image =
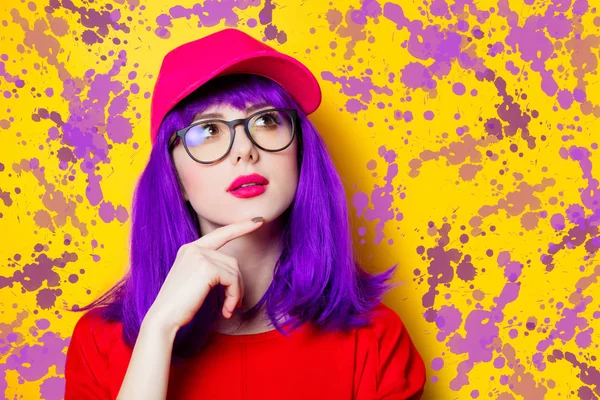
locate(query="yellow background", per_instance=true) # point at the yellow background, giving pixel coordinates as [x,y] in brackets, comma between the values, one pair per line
[456,195]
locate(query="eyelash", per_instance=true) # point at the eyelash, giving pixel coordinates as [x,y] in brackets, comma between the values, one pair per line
[271,114]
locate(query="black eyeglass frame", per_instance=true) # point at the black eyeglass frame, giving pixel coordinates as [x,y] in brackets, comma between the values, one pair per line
[291,112]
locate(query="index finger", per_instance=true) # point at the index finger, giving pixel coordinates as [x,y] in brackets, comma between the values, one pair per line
[217,238]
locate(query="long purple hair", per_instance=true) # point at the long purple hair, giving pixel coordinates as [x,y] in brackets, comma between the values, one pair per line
[317,278]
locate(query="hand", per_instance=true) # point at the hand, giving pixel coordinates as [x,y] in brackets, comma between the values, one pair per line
[198,268]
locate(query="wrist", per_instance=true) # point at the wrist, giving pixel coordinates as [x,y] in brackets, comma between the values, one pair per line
[155,322]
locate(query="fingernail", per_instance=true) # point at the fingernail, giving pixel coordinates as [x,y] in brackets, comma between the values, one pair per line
[257,219]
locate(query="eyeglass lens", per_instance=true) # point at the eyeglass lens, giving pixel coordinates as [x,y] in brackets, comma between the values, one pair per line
[272,130]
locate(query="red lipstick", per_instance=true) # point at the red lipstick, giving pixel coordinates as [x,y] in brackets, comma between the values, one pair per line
[248,186]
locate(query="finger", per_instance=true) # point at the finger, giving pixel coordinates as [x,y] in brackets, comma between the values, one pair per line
[226,262]
[217,255]
[220,236]
[229,263]
[236,271]
[232,290]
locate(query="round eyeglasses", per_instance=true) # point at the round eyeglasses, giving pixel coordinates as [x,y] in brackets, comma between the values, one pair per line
[210,140]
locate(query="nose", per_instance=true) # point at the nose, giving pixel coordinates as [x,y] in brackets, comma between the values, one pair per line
[242,146]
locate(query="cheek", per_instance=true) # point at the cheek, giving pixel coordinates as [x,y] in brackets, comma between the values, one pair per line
[190,174]
[197,181]
[187,180]
[288,174]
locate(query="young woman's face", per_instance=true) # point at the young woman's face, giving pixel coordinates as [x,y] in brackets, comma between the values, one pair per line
[206,185]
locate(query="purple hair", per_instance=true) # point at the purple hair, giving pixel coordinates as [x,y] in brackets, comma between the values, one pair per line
[316,279]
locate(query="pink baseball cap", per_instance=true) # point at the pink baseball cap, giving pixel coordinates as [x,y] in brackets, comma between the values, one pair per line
[229,51]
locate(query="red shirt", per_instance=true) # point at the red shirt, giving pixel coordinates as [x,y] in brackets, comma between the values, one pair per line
[377,361]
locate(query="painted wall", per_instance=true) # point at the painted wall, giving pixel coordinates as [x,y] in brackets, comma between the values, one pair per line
[466,133]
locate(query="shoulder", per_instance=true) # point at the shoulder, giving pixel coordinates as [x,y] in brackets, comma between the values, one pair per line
[384,320]
[93,329]
[93,320]
[88,371]
[388,338]
[383,329]
[394,365]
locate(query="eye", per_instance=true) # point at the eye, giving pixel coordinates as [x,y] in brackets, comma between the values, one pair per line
[211,129]
[268,119]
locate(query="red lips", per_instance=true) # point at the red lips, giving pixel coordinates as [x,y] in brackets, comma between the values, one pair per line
[243,179]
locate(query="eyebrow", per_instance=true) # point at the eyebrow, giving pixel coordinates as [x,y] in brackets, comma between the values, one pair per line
[249,110]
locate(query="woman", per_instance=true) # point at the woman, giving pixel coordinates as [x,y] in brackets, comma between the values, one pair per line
[216,305]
